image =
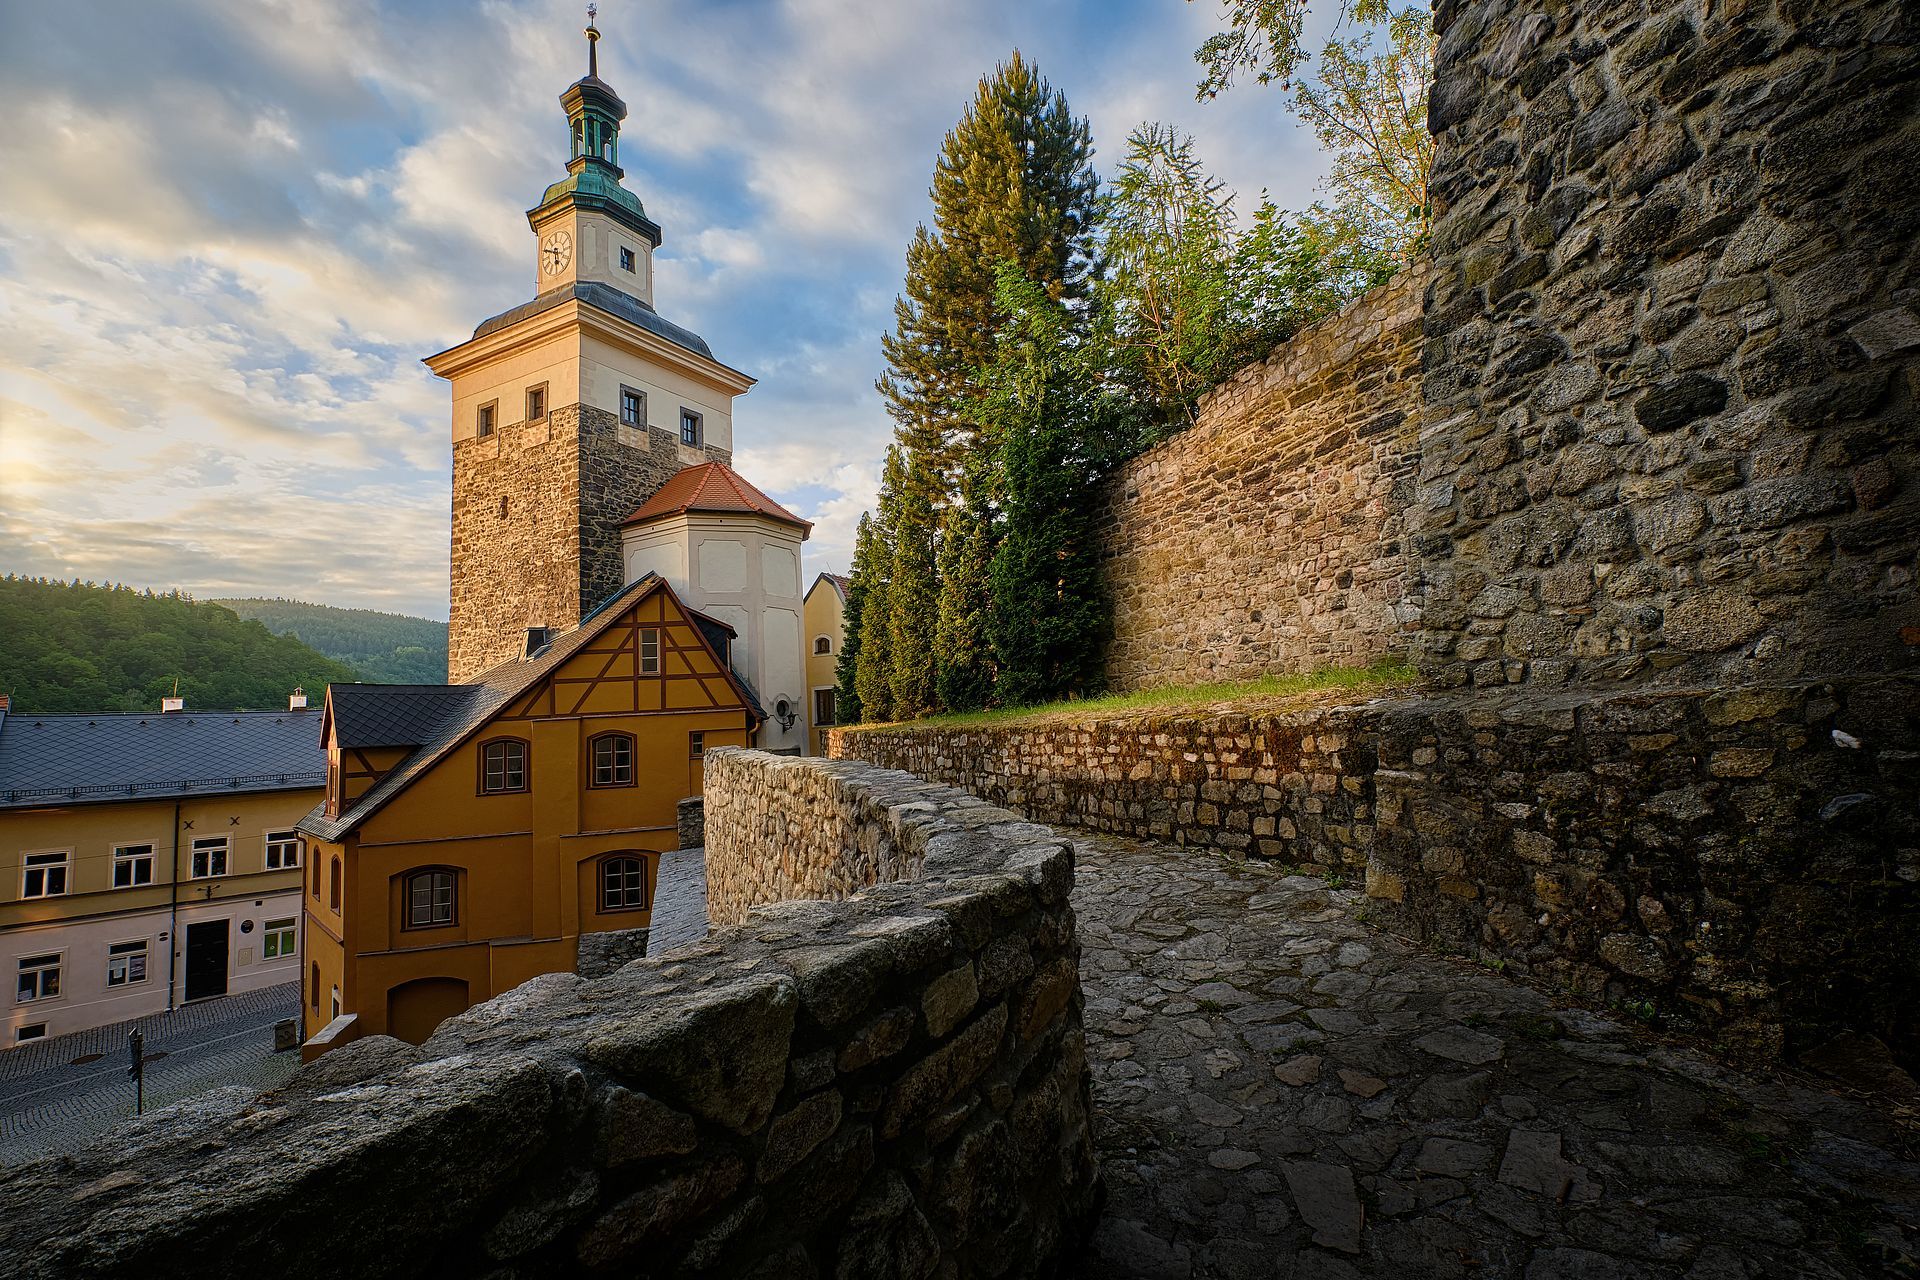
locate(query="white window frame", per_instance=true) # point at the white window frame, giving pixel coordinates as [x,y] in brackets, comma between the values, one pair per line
[125,855]
[59,963]
[63,864]
[650,651]
[282,839]
[271,938]
[30,1032]
[818,652]
[226,858]
[124,954]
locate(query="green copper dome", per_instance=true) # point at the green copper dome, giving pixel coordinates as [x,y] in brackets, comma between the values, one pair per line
[594,187]
[594,112]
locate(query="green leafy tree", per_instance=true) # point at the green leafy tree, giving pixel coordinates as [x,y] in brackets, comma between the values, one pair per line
[1263,38]
[913,587]
[963,651]
[1056,419]
[1014,182]
[389,648]
[859,583]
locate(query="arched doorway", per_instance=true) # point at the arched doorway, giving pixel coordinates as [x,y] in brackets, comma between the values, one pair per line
[415,1008]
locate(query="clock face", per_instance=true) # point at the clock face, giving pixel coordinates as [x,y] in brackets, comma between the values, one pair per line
[555,252]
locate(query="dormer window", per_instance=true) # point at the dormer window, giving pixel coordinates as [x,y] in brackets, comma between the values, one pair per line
[626,258]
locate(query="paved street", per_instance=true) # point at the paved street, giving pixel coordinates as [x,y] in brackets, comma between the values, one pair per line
[54,1094]
[1280,1089]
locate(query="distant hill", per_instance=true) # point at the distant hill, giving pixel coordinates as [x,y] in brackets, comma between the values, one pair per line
[385,648]
[72,646]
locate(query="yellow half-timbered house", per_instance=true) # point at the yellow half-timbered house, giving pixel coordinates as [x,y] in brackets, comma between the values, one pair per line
[471,833]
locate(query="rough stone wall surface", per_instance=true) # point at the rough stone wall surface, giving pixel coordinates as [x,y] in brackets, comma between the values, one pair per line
[537,508]
[890,1085]
[1747,858]
[679,901]
[601,952]
[690,822]
[1673,342]
[1270,535]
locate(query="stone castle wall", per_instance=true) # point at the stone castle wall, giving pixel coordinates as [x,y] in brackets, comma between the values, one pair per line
[1673,343]
[1270,535]
[537,508]
[1726,855]
[890,1085]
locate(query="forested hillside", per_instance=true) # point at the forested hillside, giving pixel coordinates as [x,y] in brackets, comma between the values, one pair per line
[386,648]
[71,646]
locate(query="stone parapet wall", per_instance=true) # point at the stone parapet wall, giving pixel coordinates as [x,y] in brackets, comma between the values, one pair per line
[1673,343]
[1726,855]
[1270,535]
[890,1085]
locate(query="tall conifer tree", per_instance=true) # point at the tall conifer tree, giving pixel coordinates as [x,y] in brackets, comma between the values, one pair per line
[963,646]
[860,577]
[913,588]
[873,664]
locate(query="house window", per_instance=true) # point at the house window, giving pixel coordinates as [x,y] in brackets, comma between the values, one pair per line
[333,883]
[536,402]
[39,978]
[132,865]
[823,644]
[209,857]
[33,1031]
[483,419]
[633,407]
[45,874]
[336,1002]
[626,258]
[823,706]
[316,882]
[126,963]
[314,999]
[277,942]
[649,651]
[613,760]
[430,899]
[283,850]
[689,427]
[623,883]
[503,766]
[696,744]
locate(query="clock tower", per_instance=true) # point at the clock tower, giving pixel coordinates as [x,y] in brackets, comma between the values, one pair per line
[572,409]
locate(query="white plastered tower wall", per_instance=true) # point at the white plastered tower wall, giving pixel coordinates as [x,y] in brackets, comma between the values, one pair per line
[574,245]
[743,570]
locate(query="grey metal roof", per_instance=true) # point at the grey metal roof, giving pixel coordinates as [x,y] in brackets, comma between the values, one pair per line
[623,306]
[68,759]
[487,693]
[394,715]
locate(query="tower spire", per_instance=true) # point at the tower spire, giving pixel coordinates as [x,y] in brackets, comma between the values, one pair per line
[593,41]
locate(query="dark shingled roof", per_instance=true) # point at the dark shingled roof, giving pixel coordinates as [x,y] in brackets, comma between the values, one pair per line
[439,725]
[98,758]
[394,715]
[605,297]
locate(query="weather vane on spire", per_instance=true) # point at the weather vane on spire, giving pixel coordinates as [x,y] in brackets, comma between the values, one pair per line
[593,41]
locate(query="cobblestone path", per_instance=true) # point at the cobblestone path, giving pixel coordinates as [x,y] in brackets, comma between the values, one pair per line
[1281,1090]
[51,1103]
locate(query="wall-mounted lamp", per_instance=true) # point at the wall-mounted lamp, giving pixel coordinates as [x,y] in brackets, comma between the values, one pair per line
[783,712]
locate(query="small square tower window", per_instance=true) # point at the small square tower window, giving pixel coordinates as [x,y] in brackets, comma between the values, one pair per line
[633,407]
[536,402]
[689,427]
[626,258]
[483,420]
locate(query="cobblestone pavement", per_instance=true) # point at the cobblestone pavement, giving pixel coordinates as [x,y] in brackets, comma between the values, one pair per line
[1280,1089]
[50,1103]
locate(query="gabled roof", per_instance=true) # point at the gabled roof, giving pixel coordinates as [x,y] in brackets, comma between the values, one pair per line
[97,758]
[391,715]
[438,726]
[712,486]
[838,581]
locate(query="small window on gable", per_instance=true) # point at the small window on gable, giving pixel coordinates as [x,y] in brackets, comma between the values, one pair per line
[536,402]
[503,766]
[626,258]
[649,651]
[613,760]
[633,407]
[822,644]
[689,427]
[483,420]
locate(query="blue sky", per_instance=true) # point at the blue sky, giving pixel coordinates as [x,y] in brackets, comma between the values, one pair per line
[229,231]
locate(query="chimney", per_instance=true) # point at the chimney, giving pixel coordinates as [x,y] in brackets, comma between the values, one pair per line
[171,703]
[537,639]
[297,701]
[6,702]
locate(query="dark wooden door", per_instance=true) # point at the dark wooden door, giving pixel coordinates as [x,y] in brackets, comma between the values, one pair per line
[206,959]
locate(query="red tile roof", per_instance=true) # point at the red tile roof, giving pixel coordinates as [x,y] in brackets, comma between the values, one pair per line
[712,486]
